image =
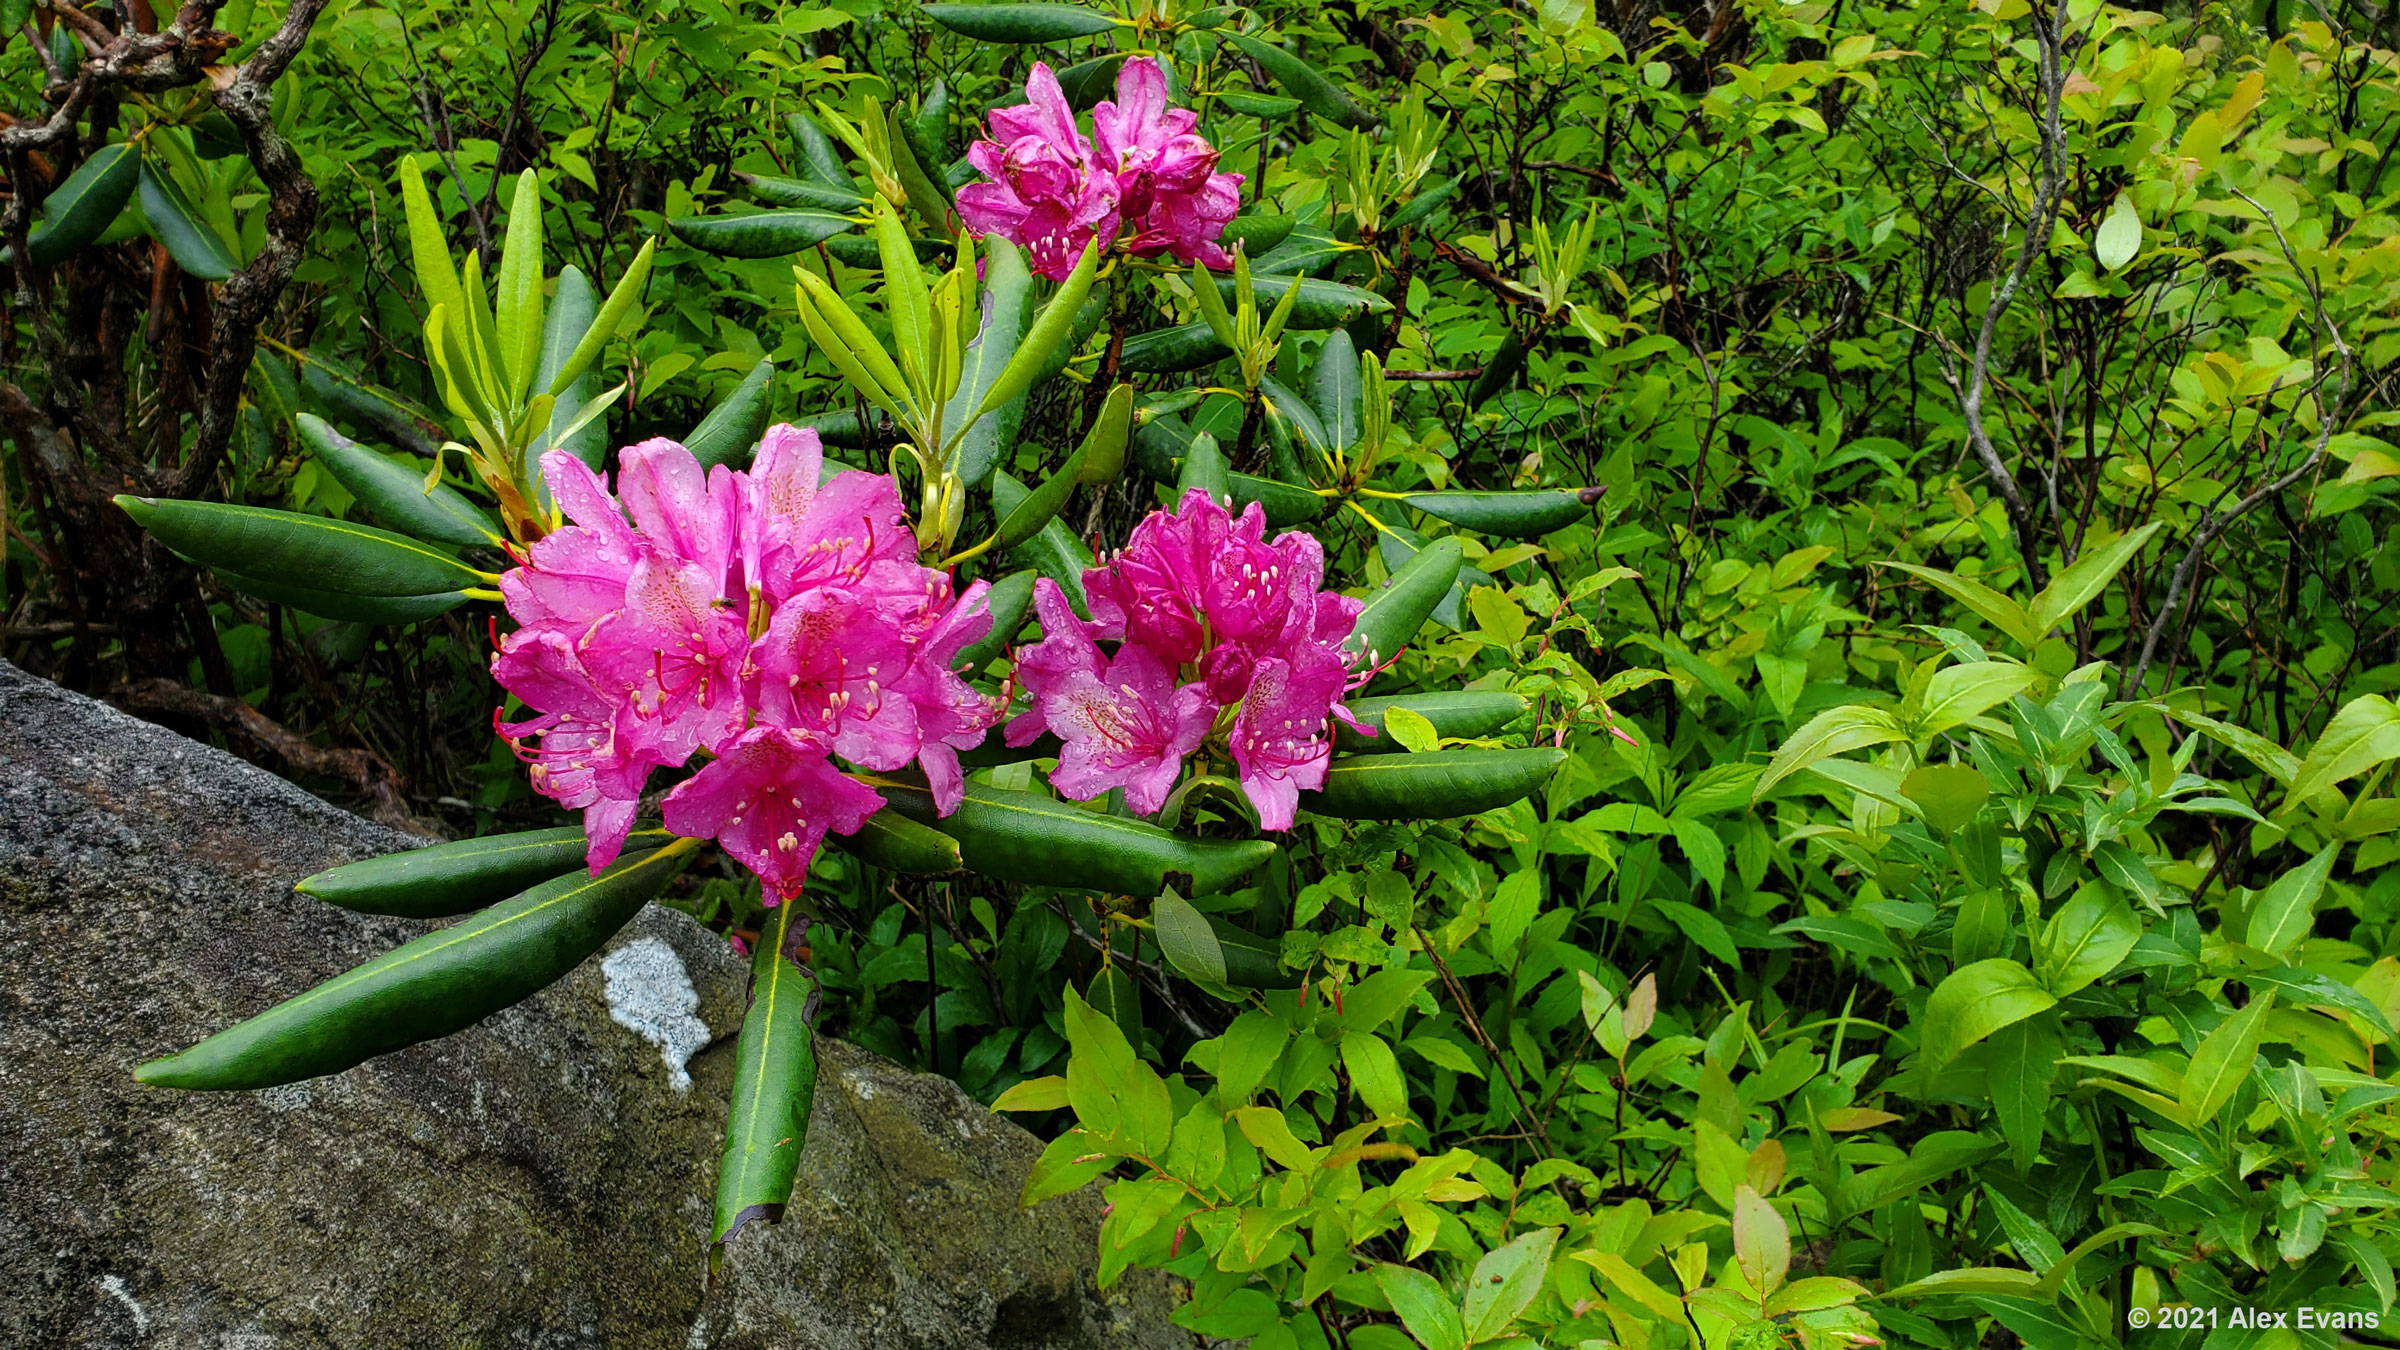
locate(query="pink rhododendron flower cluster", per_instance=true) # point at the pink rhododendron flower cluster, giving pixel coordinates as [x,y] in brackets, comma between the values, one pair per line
[1052,189]
[1218,631]
[759,619]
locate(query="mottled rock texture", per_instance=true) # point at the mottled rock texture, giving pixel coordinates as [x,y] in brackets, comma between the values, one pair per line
[535,1181]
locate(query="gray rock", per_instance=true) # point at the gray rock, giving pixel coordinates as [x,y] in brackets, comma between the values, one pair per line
[539,1180]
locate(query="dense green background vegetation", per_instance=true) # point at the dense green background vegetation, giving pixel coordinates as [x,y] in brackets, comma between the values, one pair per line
[1989,903]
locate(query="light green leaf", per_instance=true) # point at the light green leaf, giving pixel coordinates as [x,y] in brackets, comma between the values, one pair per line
[1424,1307]
[1958,693]
[1411,729]
[1505,1282]
[2119,237]
[2090,574]
[1184,935]
[1375,1075]
[1994,608]
[2365,733]
[1974,1001]
[2286,911]
[2224,1059]
[1832,732]
[2086,939]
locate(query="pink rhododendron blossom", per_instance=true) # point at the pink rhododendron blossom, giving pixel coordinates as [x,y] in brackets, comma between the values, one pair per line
[758,618]
[1217,631]
[768,801]
[1052,190]
[1167,183]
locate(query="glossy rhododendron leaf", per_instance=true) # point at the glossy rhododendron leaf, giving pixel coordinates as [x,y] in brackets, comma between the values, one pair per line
[1453,712]
[1023,837]
[457,878]
[895,843]
[1018,23]
[317,552]
[730,431]
[774,1086]
[440,983]
[77,210]
[1511,515]
[397,495]
[760,234]
[1394,614]
[1436,786]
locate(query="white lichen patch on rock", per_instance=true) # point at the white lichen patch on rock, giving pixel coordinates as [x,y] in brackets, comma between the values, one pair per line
[651,994]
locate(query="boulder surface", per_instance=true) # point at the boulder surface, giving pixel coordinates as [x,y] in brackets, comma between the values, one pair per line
[542,1179]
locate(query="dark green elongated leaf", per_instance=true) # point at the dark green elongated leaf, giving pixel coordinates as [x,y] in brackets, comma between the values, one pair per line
[1204,468]
[1185,937]
[194,246]
[838,429]
[857,250]
[1257,234]
[1335,389]
[895,843]
[1007,309]
[1499,372]
[1285,505]
[1303,82]
[1296,412]
[996,751]
[1251,961]
[573,306]
[1431,786]
[1053,550]
[1009,600]
[1170,351]
[1265,107]
[819,157]
[1304,254]
[760,234]
[1019,23]
[1018,836]
[929,130]
[1511,515]
[440,983]
[292,549]
[1158,446]
[448,879]
[1425,203]
[1040,506]
[77,210]
[774,1086]
[350,608]
[395,494]
[731,431]
[1453,712]
[1087,82]
[1437,786]
[910,160]
[1393,615]
[331,384]
[801,192]
[215,136]
[1103,452]
[1319,304]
